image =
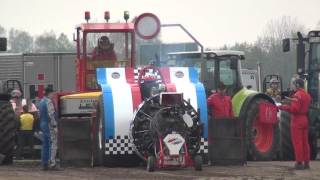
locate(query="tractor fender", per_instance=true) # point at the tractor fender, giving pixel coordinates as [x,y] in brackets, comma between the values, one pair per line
[249,99]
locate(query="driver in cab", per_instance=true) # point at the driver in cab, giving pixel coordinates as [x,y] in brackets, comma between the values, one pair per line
[104,50]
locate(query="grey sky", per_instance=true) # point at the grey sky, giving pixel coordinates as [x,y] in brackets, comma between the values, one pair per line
[213,22]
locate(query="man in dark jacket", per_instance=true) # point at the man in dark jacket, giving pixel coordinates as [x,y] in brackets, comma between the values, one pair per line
[299,106]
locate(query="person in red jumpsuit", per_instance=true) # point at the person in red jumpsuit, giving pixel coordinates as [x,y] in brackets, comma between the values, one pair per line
[220,103]
[298,107]
[104,50]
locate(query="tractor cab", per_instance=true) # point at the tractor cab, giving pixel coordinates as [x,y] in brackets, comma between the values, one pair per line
[109,45]
[102,45]
[212,67]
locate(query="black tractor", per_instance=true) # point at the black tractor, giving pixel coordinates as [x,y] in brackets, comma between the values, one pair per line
[308,53]
[8,119]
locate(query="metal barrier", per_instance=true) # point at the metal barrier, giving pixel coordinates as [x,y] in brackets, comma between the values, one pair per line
[226,142]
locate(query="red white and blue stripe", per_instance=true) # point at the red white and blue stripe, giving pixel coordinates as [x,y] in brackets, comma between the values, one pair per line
[121,95]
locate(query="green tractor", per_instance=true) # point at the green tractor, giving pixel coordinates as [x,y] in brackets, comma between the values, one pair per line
[225,66]
[308,53]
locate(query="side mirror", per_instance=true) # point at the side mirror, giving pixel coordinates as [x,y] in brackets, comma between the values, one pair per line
[3,44]
[286,45]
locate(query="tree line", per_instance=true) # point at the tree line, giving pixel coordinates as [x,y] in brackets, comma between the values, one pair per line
[20,41]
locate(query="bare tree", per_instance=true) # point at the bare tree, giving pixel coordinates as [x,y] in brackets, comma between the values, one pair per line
[2,31]
[278,29]
[64,44]
[47,42]
[20,41]
[278,62]
[267,49]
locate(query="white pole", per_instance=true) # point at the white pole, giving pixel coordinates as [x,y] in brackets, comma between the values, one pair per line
[259,76]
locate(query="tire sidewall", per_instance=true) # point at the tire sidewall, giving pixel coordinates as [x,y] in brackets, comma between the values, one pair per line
[252,151]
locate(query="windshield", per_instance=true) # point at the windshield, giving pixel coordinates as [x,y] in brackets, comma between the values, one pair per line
[106,50]
[109,46]
[227,74]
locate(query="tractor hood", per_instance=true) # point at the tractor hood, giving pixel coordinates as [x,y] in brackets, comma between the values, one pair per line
[239,98]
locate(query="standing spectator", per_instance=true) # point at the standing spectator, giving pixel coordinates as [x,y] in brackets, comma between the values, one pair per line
[25,134]
[299,106]
[16,101]
[220,103]
[273,91]
[48,126]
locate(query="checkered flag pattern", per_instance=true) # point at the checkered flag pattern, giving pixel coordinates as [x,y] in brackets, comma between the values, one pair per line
[120,145]
[204,148]
[149,71]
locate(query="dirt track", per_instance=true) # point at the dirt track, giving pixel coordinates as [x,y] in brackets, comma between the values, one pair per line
[253,170]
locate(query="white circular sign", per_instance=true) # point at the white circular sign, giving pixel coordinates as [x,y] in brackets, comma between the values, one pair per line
[147,26]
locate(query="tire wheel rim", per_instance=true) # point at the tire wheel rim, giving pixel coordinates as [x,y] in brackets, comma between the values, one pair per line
[262,136]
[100,129]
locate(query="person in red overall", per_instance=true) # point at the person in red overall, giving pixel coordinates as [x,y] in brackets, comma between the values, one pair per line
[104,50]
[220,103]
[298,107]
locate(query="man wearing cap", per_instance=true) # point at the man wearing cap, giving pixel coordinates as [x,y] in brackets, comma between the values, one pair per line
[18,102]
[220,103]
[274,91]
[298,107]
[48,125]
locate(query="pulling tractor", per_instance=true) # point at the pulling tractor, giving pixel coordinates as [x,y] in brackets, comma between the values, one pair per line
[308,53]
[123,111]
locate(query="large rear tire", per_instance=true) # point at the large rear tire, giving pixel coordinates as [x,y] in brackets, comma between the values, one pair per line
[197,161]
[262,139]
[8,129]
[286,148]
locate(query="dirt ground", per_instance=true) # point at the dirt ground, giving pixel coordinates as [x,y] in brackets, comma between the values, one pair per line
[29,170]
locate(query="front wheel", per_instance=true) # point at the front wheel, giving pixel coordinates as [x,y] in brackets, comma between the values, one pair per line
[262,138]
[197,163]
[151,163]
